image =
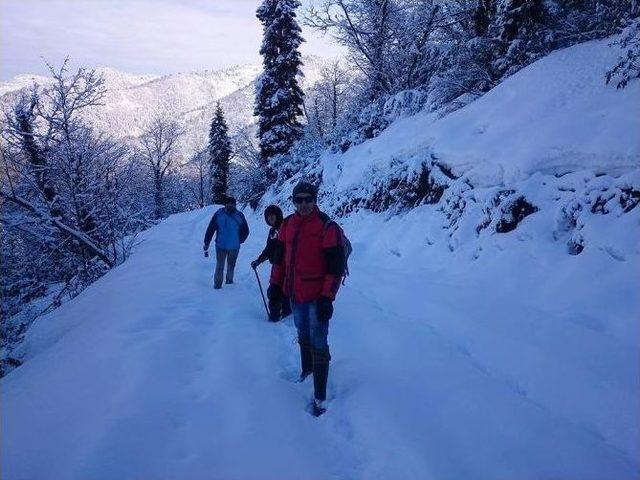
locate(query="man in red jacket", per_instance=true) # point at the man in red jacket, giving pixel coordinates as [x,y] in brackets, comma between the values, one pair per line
[308,267]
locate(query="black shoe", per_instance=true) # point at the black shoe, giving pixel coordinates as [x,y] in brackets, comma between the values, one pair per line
[318,407]
[229,282]
[217,287]
[304,375]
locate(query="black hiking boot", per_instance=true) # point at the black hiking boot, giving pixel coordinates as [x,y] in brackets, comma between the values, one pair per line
[321,357]
[318,407]
[306,359]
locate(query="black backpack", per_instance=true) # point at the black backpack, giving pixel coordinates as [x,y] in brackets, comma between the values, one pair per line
[345,243]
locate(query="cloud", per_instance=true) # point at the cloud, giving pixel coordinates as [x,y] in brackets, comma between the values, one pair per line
[137,36]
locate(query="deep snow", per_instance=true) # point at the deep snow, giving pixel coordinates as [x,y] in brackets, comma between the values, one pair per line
[520,364]
[458,352]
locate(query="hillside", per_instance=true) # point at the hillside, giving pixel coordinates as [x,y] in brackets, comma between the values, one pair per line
[552,145]
[554,116]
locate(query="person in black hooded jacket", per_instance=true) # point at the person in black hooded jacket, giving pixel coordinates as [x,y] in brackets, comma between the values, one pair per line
[273,216]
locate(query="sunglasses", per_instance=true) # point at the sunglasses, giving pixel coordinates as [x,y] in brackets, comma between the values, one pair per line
[305,199]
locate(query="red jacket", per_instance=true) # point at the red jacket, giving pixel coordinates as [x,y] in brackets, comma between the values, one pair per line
[309,257]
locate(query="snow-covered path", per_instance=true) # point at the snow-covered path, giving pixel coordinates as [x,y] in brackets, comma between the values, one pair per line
[151,374]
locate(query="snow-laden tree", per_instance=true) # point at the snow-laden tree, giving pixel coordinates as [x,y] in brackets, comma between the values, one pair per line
[220,154]
[278,102]
[454,50]
[574,21]
[628,66]
[366,29]
[158,150]
[54,156]
[329,100]
[521,29]
[66,193]
[392,45]
[246,173]
[198,179]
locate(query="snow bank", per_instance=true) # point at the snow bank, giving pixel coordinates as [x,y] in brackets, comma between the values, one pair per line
[555,116]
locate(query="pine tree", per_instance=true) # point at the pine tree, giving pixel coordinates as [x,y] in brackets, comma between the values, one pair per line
[278,96]
[219,155]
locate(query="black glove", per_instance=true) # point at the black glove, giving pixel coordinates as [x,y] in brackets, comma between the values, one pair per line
[274,293]
[254,264]
[325,309]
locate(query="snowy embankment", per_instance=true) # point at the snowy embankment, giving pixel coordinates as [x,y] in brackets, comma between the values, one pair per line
[554,116]
[517,365]
[552,139]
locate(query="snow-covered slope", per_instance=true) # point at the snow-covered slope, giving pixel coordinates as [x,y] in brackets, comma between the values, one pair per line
[554,116]
[552,141]
[20,82]
[516,366]
[489,328]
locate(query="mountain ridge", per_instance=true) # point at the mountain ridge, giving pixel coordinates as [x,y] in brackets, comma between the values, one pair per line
[132,100]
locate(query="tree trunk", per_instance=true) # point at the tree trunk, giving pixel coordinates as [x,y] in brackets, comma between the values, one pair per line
[159,210]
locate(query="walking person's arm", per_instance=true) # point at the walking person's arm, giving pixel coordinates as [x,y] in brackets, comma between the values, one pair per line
[334,258]
[267,253]
[244,228]
[264,256]
[211,229]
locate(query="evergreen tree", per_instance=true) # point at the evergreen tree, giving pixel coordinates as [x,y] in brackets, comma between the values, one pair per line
[627,67]
[219,155]
[278,95]
[521,33]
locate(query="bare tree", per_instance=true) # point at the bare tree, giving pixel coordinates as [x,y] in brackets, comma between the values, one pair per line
[68,194]
[158,150]
[365,28]
[50,153]
[328,100]
[199,183]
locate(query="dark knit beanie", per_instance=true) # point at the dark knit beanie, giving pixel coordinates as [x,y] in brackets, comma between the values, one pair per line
[305,188]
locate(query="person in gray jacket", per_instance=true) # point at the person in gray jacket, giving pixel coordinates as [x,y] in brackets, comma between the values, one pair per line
[231,230]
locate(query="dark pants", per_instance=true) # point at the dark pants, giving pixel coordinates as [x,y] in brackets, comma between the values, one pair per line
[222,255]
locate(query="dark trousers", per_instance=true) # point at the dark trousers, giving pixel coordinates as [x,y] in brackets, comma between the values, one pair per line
[222,255]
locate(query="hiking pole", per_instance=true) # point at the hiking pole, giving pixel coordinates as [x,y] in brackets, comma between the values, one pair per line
[262,293]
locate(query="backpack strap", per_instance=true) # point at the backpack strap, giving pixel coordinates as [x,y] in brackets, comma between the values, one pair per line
[278,249]
[327,222]
[324,217]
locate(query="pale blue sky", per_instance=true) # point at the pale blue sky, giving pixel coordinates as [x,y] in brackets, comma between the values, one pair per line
[136,36]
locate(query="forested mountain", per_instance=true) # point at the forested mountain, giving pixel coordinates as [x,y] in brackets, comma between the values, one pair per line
[131,101]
